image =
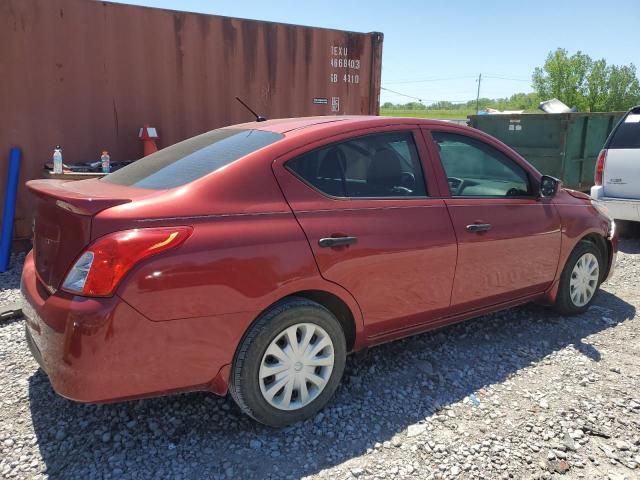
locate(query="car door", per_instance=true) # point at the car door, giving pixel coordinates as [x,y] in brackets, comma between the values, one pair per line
[365,207]
[508,237]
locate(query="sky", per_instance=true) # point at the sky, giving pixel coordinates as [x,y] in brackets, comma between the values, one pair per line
[434,49]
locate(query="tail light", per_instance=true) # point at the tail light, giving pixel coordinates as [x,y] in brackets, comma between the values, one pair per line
[602,158]
[102,265]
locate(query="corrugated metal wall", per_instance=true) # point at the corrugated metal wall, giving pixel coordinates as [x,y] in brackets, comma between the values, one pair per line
[86,75]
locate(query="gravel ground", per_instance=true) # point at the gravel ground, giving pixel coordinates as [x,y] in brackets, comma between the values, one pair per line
[523,393]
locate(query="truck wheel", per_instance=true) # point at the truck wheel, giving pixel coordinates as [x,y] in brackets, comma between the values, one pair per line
[289,363]
[580,279]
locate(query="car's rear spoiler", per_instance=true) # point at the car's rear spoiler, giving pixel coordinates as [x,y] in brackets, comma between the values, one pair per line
[74,201]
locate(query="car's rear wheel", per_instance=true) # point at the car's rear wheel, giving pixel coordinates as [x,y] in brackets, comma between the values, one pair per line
[289,364]
[580,279]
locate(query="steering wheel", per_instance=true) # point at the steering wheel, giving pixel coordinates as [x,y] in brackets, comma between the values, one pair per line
[408,180]
[456,185]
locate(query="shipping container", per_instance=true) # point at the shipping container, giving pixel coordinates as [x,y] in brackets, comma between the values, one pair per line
[564,145]
[87,75]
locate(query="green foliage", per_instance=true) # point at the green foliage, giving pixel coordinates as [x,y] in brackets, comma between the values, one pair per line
[451,114]
[589,85]
[444,109]
[624,88]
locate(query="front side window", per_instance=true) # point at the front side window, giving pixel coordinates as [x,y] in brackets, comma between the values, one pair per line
[380,165]
[191,159]
[475,169]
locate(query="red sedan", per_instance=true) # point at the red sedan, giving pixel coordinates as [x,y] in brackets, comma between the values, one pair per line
[252,259]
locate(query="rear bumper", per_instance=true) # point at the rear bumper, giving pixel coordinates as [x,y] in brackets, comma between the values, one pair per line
[102,350]
[618,208]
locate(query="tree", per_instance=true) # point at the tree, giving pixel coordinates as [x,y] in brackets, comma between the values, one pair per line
[597,90]
[523,101]
[563,77]
[623,87]
[415,106]
[589,85]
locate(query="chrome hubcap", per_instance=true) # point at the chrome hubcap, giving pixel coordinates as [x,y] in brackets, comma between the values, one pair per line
[296,366]
[584,279]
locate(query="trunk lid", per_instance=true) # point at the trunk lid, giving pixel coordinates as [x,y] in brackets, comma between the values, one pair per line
[621,177]
[63,216]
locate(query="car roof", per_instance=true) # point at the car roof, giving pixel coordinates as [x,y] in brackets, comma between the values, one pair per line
[286,125]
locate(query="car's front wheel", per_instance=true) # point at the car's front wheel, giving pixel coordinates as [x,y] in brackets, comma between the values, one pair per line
[580,279]
[289,364]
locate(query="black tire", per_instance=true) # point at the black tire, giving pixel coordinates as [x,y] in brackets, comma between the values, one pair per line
[564,304]
[244,383]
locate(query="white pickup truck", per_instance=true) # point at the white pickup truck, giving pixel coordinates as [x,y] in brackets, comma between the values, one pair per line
[617,176]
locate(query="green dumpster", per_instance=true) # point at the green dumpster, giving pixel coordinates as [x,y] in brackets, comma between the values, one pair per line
[564,145]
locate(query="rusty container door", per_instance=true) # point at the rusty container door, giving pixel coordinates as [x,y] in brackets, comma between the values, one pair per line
[87,75]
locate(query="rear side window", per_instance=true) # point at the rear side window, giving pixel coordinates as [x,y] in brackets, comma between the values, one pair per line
[381,165]
[191,159]
[627,134]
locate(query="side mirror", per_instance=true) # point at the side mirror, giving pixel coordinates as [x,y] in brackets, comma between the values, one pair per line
[549,186]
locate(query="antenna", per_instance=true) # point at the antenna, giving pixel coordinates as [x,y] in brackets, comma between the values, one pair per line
[258,117]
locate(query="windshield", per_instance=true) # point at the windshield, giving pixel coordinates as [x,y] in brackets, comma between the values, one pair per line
[191,159]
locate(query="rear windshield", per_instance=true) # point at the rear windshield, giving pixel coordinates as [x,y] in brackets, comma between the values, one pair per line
[191,159]
[627,135]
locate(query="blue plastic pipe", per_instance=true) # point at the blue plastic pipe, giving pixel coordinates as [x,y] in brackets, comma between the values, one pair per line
[9,211]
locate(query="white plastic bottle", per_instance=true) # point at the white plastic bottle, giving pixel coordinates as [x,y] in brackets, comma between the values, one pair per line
[57,159]
[105,159]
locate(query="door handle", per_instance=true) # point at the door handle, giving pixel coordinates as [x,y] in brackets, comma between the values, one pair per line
[336,241]
[478,227]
